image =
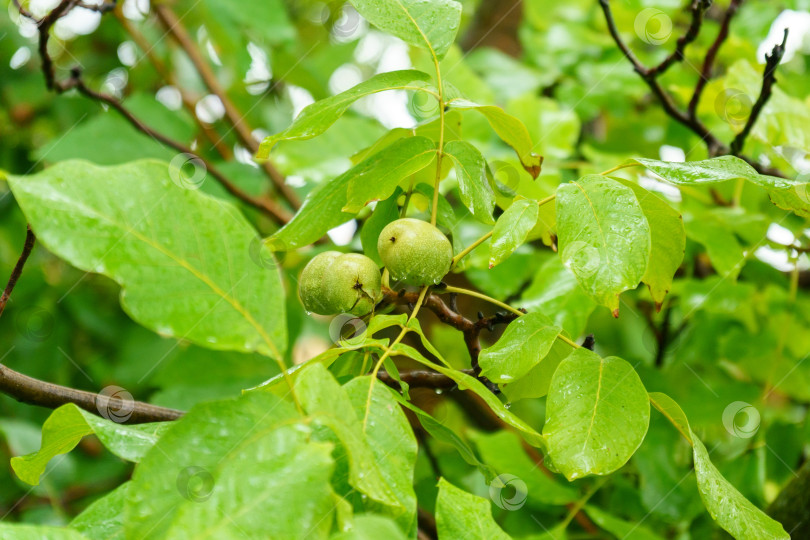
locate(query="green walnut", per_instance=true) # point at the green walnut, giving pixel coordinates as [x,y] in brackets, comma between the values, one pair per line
[415,252]
[334,282]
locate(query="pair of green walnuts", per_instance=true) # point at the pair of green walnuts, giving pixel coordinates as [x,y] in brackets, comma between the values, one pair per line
[414,252]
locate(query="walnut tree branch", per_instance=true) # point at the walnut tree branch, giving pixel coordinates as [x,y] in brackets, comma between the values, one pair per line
[168,76]
[711,55]
[689,119]
[266,205]
[698,8]
[18,268]
[175,27]
[35,392]
[772,61]
[32,391]
[649,76]
[75,81]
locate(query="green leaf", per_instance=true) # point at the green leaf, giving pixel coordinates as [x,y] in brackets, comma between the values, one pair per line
[322,397]
[266,23]
[796,199]
[104,519]
[133,224]
[370,527]
[466,382]
[555,290]
[184,464]
[510,129]
[319,116]
[720,239]
[280,473]
[443,433]
[708,171]
[471,172]
[596,416]
[386,169]
[462,515]
[524,344]
[668,241]
[384,213]
[430,25]
[511,229]
[619,527]
[392,442]
[503,451]
[673,412]
[727,506]
[537,381]
[603,237]
[68,424]
[327,205]
[785,193]
[13,531]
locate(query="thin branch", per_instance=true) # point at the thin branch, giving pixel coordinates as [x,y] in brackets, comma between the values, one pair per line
[44,26]
[471,331]
[168,75]
[243,131]
[688,119]
[18,268]
[35,392]
[697,9]
[649,76]
[32,391]
[421,379]
[24,12]
[711,55]
[772,61]
[270,207]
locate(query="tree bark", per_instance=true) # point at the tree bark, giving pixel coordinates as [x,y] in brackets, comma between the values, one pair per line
[496,24]
[791,507]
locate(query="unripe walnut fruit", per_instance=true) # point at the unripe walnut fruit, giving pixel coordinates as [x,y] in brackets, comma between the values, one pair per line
[415,252]
[334,282]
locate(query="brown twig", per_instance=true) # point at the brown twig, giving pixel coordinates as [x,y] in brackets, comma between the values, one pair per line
[18,268]
[698,8]
[270,207]
[175,27]
[688,119]
[421,379]
[450,316]
[711,55]
[772,61]
[168,76]
[35,392]
[649,77]
[26,389]
[75,81]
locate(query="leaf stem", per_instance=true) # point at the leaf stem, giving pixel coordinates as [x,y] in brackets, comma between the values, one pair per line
[548,199]
[738,189]
[404,210]
[476,294]
[388,349]
[440,149]
[466,251]
[618,168]
[580,504]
